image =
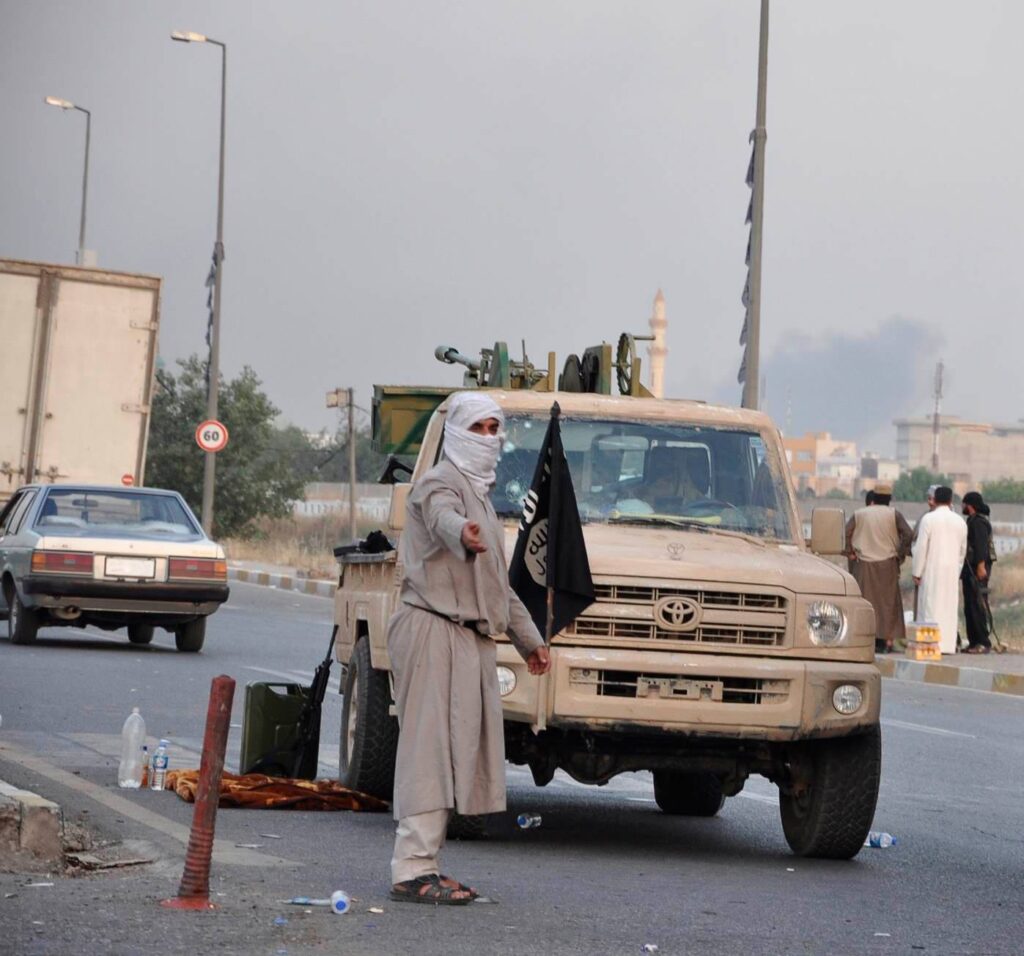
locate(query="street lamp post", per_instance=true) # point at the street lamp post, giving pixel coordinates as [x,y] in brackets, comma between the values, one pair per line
[210,464]
[68,105]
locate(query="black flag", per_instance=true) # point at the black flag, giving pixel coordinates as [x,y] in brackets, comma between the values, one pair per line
[550,571]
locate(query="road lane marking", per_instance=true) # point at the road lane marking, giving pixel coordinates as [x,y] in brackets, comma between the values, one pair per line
[223,852]
[925,729]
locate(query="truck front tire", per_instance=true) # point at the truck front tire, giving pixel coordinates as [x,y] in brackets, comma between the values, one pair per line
[832,816]
[369,734]
[688,794]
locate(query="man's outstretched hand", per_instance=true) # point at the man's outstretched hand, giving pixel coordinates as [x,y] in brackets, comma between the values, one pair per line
[539,662]
[471,539]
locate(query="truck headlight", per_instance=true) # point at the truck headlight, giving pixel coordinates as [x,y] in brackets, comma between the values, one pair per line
[826,623]
[506,680]
[847,698]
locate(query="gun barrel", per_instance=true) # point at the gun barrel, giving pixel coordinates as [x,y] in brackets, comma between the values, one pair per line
[451,356]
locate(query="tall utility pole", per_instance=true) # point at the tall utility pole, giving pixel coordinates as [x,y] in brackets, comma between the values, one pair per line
[352,466]
[334,400]
[68,105]
[939,369]
[753,330]
[213,369]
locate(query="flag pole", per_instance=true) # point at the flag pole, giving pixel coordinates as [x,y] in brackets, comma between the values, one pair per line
[541,722]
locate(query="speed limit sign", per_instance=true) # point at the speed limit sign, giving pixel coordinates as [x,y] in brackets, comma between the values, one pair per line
[211,435]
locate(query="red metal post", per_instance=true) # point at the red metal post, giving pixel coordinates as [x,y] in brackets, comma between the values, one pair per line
[194,891]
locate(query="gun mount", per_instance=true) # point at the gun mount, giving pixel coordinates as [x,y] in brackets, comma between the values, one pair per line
[401,413]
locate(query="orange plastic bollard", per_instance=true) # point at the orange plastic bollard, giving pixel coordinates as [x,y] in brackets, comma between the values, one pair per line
[194,890]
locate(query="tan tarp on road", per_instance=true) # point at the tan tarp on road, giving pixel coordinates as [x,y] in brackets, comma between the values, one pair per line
[258,791]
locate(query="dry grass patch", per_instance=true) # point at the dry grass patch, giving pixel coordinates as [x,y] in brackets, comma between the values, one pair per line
[305,544]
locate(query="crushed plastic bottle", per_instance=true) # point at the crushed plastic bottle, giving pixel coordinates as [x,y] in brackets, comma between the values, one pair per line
[133,736]
[338,903]
[528,821]
[880,840]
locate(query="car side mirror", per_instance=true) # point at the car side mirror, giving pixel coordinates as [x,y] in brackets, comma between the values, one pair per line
[828,531]
[399,499]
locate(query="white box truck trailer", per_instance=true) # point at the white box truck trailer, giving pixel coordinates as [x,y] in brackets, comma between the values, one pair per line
[77,352]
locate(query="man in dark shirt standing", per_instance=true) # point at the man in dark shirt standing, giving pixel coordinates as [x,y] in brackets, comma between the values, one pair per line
[977,571]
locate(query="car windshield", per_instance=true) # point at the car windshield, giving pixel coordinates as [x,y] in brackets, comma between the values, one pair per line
[672,474]
[80,512]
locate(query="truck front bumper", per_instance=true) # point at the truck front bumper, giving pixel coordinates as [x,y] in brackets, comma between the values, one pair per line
[705,695]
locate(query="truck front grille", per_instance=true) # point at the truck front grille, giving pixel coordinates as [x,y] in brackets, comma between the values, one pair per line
[639,594]
[741,636]
[724,690]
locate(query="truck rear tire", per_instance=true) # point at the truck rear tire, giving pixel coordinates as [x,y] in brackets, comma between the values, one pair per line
[141,633]
[688,794]
[833,816]
[22,622]
[188,638]
[369,734]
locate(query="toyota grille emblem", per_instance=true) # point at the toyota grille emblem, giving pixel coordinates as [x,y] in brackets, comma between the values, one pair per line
[677,614]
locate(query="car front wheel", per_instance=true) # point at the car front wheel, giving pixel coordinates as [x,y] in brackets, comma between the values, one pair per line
[140,633]
[828,810]
[188,638]
[22,622]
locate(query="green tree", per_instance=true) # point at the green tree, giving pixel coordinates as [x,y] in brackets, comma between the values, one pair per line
[1004,490]
[913,485]
[257,473]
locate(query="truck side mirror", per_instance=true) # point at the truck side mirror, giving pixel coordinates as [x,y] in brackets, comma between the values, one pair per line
[828,531]
[399,498]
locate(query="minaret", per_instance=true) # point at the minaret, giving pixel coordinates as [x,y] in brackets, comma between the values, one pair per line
[657,351]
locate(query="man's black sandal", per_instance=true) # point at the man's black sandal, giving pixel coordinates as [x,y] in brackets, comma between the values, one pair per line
[413,891]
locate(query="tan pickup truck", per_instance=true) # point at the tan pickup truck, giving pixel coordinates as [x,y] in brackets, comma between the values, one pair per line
[719,645]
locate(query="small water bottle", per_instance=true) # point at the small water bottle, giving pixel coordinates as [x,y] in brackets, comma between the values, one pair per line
[340,902]
[133,733]
[160,761]
[528,821]
[877,838]
[145,767]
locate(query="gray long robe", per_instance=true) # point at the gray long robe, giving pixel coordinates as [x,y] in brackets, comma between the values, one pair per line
[451,745]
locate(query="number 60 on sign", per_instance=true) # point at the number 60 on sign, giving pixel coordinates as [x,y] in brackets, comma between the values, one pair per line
[211,435]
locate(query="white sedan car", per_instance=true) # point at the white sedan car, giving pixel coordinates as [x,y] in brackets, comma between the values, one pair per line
[77,555]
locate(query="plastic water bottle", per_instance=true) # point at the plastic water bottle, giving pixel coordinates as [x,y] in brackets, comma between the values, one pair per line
[528,821]
[340,902]
[877,838]
[133,733]
[145,767]
[160,761]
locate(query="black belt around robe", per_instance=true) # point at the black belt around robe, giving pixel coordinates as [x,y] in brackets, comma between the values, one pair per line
[474,626]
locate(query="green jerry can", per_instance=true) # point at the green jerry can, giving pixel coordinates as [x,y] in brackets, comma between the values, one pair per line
[272,741]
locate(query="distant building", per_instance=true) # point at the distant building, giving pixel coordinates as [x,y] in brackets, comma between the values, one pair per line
[821,463]
[975,452]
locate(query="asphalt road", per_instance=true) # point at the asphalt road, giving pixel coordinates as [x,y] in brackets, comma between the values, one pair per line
[605,873]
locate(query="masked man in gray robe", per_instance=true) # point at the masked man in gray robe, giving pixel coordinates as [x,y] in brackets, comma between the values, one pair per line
[455,598]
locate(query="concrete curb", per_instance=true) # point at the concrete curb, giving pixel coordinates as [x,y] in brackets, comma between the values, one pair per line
[948,675]
[283,582]
[30,825]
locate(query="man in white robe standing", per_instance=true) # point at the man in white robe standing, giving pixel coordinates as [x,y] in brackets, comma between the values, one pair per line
[939,553]
[455,598]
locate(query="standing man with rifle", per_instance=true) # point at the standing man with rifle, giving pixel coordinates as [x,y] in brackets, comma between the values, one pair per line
[455,598]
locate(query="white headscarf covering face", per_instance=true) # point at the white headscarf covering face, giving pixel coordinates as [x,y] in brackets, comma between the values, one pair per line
[476,456]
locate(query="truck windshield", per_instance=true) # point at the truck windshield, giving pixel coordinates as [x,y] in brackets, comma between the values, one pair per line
[663,473]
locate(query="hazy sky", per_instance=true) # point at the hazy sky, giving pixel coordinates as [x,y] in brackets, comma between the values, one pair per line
[405,174]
